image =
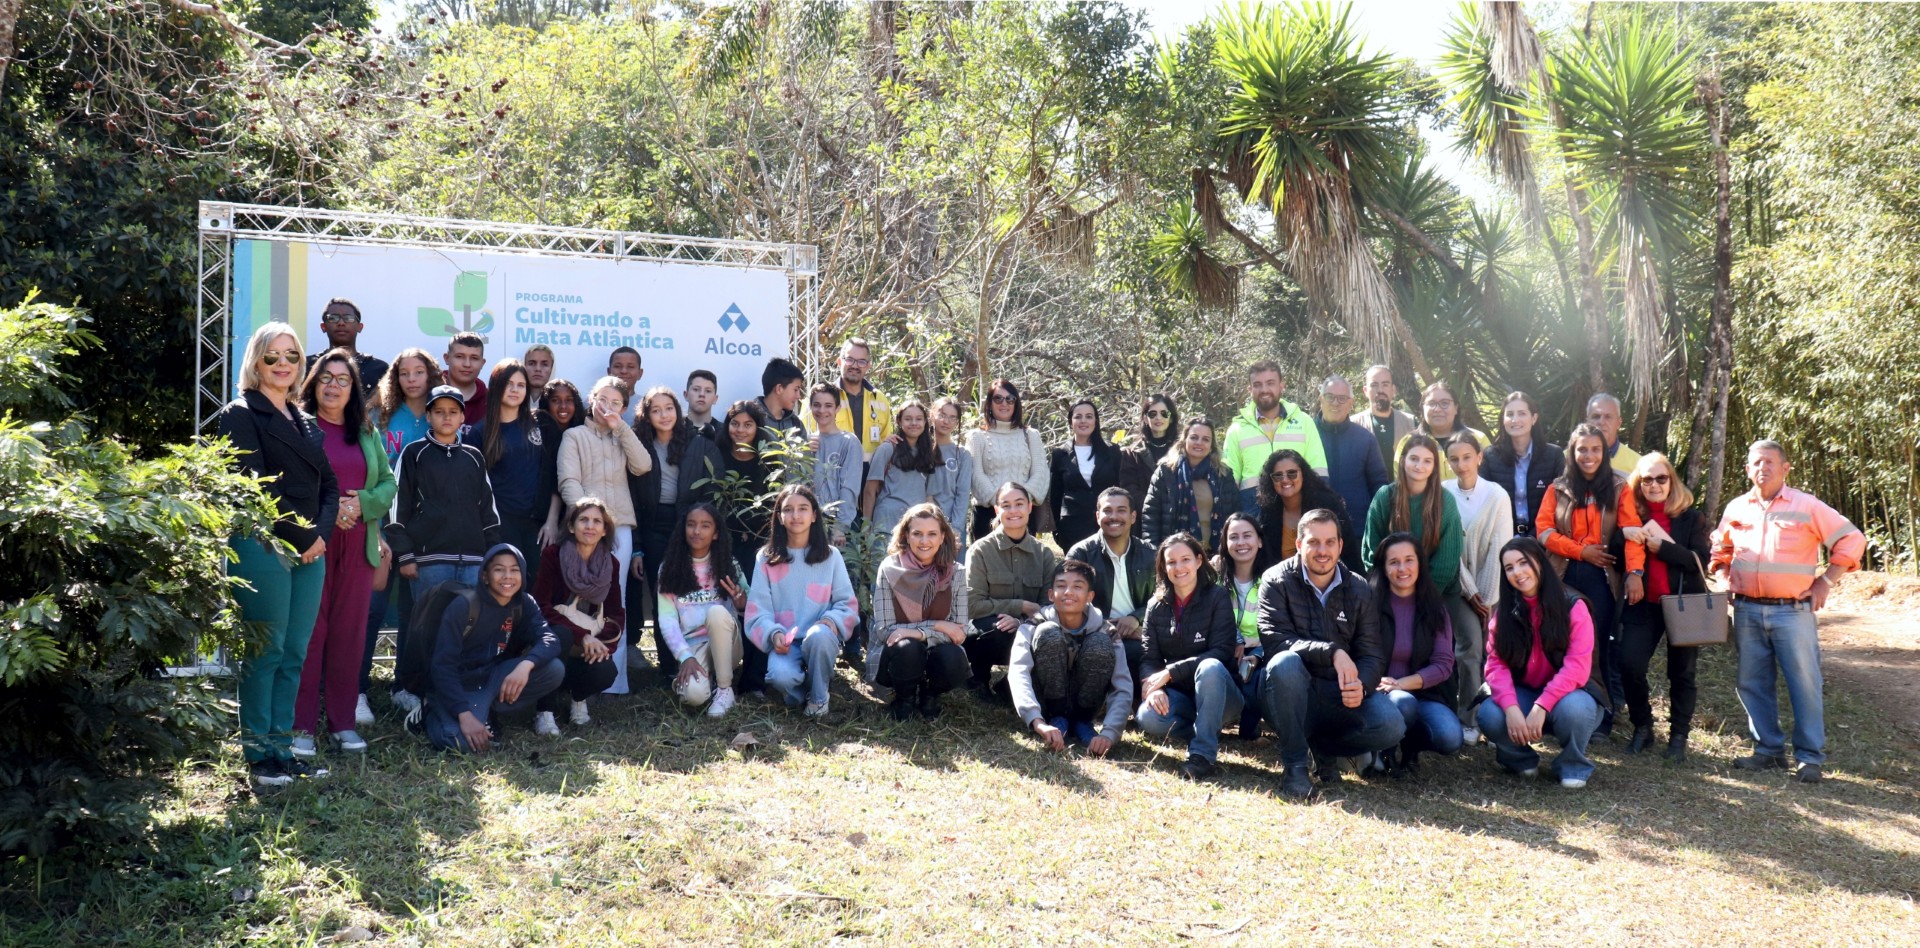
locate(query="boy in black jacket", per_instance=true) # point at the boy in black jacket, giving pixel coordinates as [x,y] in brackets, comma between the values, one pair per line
[504,664]
[443,516]
[1319,624]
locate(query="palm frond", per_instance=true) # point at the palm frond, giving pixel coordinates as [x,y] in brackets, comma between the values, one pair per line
[1491,113]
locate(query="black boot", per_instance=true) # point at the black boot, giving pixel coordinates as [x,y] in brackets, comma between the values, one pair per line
[1642,738]
[1677,748]
[927,703]
[903,702]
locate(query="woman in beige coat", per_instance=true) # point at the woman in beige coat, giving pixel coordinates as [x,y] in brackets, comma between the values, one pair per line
[594,461]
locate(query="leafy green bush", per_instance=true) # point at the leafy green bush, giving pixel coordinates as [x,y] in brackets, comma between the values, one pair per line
[112,567]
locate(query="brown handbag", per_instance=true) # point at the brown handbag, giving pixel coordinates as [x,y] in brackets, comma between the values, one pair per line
[1695,619]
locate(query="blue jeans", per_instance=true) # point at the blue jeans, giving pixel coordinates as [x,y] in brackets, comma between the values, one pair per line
[1196,716]
[1306,713]
[430,575]
[810,661]
[1075,730]
[1571,722]
[1431,725]
[1789,637]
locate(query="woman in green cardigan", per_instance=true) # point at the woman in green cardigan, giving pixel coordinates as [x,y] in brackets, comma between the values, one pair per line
[359,457]
[1415,503]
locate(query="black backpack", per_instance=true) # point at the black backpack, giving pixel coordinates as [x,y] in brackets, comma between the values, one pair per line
[413,667]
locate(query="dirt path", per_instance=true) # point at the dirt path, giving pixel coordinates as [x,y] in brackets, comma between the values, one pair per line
[1870,642]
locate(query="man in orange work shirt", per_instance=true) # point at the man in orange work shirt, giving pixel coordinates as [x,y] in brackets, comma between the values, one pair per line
[1769,545]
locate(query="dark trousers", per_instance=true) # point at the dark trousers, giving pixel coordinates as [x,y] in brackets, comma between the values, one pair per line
[1591,581]
[1642,627]
[1136,656]
[524,533]
[982,521]
[1306,713]
[650,540]
[583,680]
[443,726]
[987,647]
[910,664]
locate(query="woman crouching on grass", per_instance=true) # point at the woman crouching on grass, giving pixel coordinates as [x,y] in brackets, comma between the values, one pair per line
[919,615]
[701,599]
[800,608]
[1418,631]
[1540,668]
[578,590]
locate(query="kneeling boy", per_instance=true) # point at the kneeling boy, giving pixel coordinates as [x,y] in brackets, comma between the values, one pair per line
[1069,670]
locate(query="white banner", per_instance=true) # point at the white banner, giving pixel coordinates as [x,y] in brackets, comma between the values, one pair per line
[680,316]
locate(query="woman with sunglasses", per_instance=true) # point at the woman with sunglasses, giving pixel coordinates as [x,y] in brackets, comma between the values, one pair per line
[1675,534]
[1289,488]
[1005,449]
[1155,435]
[285,574]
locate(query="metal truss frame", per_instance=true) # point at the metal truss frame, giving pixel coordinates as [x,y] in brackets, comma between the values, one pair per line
[222,223]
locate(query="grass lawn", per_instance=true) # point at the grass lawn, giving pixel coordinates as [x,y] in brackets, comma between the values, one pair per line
[647,828]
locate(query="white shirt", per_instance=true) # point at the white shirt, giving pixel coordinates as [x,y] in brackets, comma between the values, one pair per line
[1084,454]
[1122,600]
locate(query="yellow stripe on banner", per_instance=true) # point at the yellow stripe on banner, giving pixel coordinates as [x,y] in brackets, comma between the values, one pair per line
[297,291]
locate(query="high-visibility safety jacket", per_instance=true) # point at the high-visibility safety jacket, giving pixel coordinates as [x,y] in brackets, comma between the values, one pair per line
[1245,446]
[1772,548]
[875,424]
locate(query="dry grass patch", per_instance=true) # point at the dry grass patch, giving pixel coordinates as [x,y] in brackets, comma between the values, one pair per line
[646,828]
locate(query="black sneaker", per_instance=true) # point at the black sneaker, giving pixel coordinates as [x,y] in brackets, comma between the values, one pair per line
[1809,773]
[1295,784]
[1198,768]
[298,769]
[1759,761]
[269,773]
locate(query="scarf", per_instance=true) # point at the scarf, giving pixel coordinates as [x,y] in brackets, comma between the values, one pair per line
[920,593]
[1659,582]
[589,579]
[1184,499]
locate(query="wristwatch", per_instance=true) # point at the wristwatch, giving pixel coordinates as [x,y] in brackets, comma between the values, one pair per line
[1637,572]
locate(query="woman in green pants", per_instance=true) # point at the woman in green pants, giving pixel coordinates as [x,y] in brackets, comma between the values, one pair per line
[279,442]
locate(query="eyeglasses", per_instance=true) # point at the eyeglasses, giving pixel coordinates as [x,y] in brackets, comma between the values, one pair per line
[341,379]
[330,319]
[1439,404]
[861,362]
[273,357]
[1286,475]
[1336,399]
[1660,479]
[1158,413]
[1001,399]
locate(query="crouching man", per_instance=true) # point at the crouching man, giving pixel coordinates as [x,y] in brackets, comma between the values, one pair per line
[1068,669]
[493,656]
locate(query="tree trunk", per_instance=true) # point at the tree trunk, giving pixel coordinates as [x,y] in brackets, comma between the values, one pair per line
[1593,301]
[9,15]
[1720,334]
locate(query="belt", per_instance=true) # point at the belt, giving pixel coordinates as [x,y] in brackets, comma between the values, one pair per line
[1764,601]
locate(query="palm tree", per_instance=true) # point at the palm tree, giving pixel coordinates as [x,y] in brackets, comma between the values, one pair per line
[1310,112]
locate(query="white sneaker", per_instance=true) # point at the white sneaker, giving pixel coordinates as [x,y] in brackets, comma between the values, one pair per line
[363,713]
[578,714]
[1470,736]
[350,741]
[816,710]
[1530,773]
[406,701]
[722,703]
[544,726]
[1573,783]
[303,745]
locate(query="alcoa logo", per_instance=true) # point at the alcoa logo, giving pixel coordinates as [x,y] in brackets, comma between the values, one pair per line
[733,320]
[469,296]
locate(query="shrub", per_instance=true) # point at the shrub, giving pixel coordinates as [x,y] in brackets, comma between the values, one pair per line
[112,566]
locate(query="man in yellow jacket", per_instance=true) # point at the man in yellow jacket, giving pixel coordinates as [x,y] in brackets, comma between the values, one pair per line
[864,412]
[1267,424]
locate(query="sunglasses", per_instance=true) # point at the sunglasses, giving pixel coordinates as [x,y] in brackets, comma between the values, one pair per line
[1661,479]
[1158,413]
[1286,475]
[1001,399]
[274,358]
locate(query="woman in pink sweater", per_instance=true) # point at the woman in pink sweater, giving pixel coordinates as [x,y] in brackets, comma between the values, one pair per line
[1539,668]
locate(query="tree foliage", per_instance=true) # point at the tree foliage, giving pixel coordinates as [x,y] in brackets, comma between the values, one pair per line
[111,566]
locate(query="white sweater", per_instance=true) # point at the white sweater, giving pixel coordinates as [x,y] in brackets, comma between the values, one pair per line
[1486,519]
[1003,454]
